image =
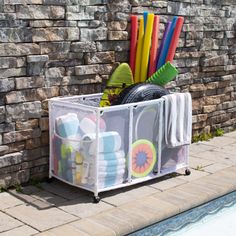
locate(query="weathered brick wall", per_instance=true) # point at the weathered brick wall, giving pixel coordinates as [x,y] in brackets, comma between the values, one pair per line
[59,47]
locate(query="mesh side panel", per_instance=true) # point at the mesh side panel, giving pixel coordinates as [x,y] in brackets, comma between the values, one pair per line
[145,140]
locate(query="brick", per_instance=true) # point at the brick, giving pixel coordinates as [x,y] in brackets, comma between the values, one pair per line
[40,12]
[93,69]
[24,111]
[11,62]
[2,114]
[10,159]
[117,25]
[83,47]
[6,85]
[16,35]
[13,72]
[37,58]
[55,34]
[29,82]
[29,124]
[208,109]
[43,123]
[16,136]
[21,49]
[117,35]
[100,57]
[93,34]
[54,47]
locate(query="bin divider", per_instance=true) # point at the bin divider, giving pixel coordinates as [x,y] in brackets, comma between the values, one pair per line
[50,137]
[130,143]
[160,134]
[96,187]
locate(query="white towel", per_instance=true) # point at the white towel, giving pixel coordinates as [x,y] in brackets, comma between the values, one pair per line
[108,142]
[177,119]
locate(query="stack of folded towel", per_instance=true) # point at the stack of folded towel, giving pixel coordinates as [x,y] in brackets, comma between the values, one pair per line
[111,159]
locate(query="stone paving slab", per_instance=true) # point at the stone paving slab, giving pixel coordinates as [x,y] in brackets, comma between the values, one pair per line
[199,163]
[229,149]
[195,174]
[219,157]
[230,134]
[199,147]
[220,141]
[59,209]
[64,231]
[168,183]
[128,194]
[8,223]
[24,230]
[8,200]
[92,228]
[215,167]
[40,219]
[84,207]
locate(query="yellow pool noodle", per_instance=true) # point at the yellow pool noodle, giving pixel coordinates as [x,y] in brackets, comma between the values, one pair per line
[139,51]
[146,47]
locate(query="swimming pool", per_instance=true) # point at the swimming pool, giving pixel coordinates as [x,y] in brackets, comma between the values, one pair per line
[214,218]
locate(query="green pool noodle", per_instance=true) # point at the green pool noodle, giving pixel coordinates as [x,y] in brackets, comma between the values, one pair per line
[164,75]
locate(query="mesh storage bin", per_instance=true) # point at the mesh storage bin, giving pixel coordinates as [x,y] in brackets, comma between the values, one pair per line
[103,148]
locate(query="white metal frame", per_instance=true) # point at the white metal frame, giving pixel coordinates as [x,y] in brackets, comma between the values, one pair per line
[66,103]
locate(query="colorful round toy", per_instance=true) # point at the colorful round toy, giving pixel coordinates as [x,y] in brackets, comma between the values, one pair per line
[143,158]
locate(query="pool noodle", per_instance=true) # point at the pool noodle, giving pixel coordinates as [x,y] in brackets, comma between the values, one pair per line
[139,51]
[153,52]
[146,47]
[175,39]
[145,15]
[166,45]
[167,28]
[133,42]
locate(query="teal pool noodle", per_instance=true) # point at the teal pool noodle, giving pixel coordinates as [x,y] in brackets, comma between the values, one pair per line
[165,49]
[145,14]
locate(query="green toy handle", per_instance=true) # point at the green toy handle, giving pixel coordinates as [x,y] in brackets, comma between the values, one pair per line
[164,75]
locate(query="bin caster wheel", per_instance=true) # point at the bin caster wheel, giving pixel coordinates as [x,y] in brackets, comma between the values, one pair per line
[187,172]
[96,199]
[49,180]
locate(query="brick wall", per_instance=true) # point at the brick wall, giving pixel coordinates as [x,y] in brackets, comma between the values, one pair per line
[51,48]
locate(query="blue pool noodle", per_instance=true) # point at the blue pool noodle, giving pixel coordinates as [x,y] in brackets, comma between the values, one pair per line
[159,50]
[145,15]
[165,49]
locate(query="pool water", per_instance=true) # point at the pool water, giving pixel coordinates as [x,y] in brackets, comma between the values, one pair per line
[221,223]
[217,218]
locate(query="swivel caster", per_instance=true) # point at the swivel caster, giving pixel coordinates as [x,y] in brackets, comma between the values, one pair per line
[49,180]
[96,199]
[187,172]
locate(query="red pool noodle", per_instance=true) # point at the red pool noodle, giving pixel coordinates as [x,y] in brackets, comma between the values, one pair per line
[153,52]
[175,39]
[133,42]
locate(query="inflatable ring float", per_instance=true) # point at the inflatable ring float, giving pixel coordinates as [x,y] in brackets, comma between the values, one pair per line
[143,158]
[140,92]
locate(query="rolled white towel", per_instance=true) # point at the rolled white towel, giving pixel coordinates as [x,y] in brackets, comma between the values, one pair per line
[108,142]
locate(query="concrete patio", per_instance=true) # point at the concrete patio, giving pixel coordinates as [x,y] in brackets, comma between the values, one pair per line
[58,209]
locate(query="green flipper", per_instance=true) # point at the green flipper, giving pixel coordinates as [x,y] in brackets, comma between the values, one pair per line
[121,78]
[164,75]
